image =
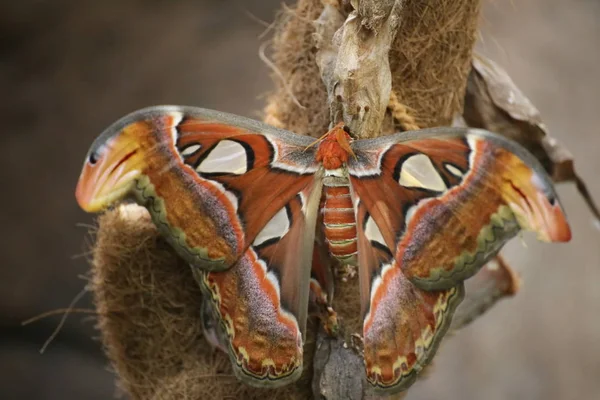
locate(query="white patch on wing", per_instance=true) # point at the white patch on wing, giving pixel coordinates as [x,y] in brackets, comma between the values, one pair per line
[189,150]
[303,202]
[377,282]
[372,231]
[177,118]
[273,279]
[453,170]
[408,217]
[227,157]
[230,196]
[277,227]
[418,171]
[472,142]
[356,204]
[409,214]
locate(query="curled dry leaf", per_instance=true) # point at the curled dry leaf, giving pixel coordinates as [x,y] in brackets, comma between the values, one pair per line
[495,103]
[354,62]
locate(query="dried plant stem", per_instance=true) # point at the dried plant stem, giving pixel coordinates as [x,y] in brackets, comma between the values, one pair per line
[354,62]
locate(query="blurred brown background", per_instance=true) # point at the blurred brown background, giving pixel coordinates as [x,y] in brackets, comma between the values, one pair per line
[70,68]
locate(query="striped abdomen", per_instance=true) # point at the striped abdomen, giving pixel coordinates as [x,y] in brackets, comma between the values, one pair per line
[340,223]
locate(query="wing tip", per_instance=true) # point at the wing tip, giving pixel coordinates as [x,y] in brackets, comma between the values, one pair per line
[559,230]
[401,380]
[549,222]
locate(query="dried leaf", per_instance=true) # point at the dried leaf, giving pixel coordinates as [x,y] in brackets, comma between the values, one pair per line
[495,103]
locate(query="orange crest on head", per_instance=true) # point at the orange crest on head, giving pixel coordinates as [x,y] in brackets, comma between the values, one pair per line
[335,147]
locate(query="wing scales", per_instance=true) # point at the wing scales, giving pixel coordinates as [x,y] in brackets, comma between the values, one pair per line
[201,174]
[402,324]
[441,237]
[239,200]
[262,301]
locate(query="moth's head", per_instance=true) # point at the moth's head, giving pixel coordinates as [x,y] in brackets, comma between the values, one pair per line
[335,148]
[111,166]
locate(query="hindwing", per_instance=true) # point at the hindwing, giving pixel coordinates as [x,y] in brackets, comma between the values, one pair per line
[262,301]
[403,325]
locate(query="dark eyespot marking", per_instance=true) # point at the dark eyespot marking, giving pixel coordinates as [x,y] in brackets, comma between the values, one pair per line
[93,158]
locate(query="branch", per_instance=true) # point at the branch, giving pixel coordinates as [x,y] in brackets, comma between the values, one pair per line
[354,62]
[495,103]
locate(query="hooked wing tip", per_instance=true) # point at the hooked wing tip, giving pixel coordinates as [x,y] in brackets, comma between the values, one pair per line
[535,212]
[558,229]
[108,177]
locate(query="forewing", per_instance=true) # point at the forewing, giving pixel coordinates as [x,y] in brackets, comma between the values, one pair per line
[402,324]
[262,301]
[447,199]
[211,180]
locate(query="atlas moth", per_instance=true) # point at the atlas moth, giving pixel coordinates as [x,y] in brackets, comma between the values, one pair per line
[261,214]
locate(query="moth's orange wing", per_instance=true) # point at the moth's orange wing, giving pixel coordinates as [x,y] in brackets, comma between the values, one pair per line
[446,200]
[403,325]
[432,207]
[262,301]
[210,180]
[232,195]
